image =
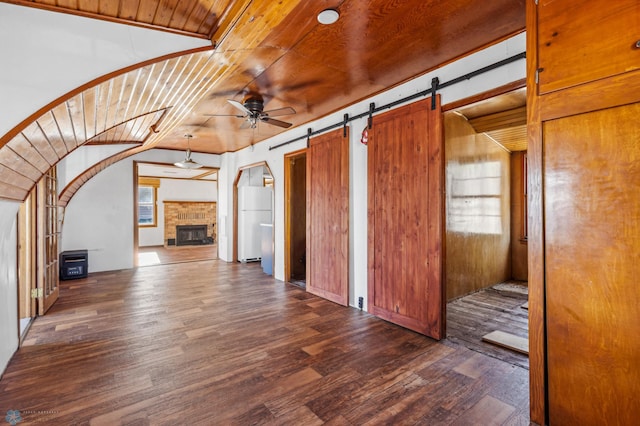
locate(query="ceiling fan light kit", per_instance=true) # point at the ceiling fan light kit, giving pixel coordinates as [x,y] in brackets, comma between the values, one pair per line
[253,112]
[188,163]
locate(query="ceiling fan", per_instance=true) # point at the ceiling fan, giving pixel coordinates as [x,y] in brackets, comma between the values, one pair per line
[253,109]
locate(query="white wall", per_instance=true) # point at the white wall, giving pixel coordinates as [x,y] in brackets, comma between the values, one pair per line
[358,153]
[8,281]
[84,157]
[226,176]
[175,190]
[66,51]
[99,217]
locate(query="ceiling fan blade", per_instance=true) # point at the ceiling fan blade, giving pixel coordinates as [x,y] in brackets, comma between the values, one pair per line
[275,122]
[280,111]
[239,106]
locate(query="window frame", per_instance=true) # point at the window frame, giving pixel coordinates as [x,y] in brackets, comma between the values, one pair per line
[154,187]
[524,231]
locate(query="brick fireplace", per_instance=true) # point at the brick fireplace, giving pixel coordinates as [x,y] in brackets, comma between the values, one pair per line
[196,219]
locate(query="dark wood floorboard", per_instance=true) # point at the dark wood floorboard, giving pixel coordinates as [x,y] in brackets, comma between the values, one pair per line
[472,316]
[160,255]
[213,343]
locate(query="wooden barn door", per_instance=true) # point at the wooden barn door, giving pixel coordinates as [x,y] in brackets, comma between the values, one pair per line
[405,167]
[328,217]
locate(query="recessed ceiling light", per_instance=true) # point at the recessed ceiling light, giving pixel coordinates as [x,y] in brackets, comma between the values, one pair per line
[328,16]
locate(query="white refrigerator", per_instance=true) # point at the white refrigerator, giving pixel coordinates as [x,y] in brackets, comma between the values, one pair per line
[254,208]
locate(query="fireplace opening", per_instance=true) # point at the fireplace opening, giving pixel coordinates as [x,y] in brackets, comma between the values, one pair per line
[192,235]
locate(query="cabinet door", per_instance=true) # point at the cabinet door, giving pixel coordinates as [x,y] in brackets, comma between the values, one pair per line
[592,241]
[582,41]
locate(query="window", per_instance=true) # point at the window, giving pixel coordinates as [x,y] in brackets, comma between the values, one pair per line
[147,206]
[475,197]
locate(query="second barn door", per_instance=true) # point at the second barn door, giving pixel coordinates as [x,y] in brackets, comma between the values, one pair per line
[328,217]
[405,172]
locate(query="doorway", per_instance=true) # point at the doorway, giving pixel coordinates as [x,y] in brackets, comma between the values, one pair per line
[253,204]
[486,227]
[168,198]
[26,264]
[295,187]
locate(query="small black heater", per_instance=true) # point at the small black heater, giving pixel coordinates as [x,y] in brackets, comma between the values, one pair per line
[73,264]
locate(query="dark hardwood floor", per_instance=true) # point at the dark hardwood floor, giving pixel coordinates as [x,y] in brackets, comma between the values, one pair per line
[160,255]
[213,343]
[472,316]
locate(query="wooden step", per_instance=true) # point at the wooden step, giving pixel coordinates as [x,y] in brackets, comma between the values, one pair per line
[507,340]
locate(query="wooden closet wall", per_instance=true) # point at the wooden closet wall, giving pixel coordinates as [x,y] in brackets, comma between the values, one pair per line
[584,210]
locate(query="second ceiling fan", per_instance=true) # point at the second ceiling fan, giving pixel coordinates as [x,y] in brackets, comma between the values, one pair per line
[253,109]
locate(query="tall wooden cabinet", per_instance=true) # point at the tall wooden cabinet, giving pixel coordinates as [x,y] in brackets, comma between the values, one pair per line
[584,204]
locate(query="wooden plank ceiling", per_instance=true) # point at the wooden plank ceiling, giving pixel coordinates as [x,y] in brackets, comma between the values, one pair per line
[503,119]
[196,18]
[276,50]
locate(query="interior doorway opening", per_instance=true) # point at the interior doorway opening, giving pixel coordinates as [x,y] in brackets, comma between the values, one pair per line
[27,309]
[253,216]
[296,218]
[168,199]
[486,226]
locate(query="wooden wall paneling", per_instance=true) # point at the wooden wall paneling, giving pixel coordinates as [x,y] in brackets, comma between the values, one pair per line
[478,239]
[519,252]
[405,168]
[592,231]
[328,217]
